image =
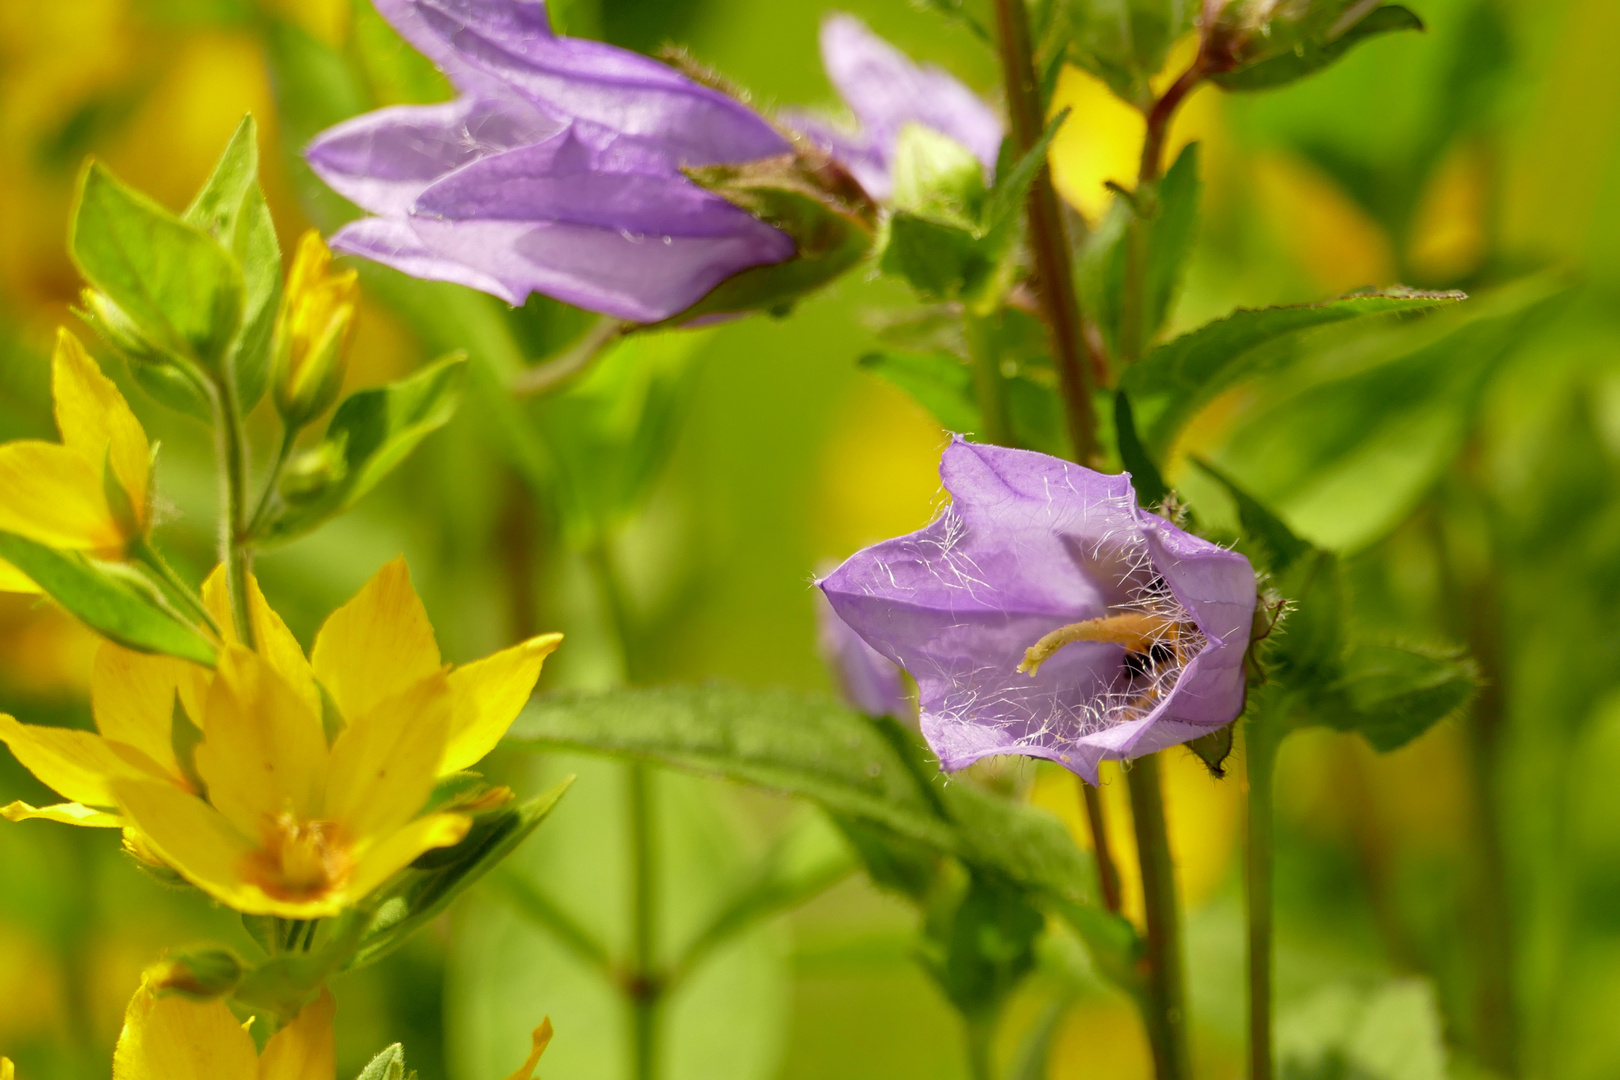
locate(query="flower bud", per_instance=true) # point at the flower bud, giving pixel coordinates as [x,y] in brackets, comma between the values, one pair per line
[312,332]
[117,329]
[310,474]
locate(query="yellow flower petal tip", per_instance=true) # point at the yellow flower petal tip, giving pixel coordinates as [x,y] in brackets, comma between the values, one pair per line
[542,1039]
[64,813]
[56,493]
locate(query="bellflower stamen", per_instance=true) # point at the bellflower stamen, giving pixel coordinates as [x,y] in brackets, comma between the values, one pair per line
[1140,632]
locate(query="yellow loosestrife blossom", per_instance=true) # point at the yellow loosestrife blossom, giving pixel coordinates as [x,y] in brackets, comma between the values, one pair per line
[267,816]
[169,1037]
[56,493]
[312,332]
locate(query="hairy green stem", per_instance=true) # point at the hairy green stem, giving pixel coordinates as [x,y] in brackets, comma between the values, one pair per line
[289,436]
[1258,858]
[1049,249]
[175,587]
[235,549]
[1166,1012]
[1107,871]
[988,385]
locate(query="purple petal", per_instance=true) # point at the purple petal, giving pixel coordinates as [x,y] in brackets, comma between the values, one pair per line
[868,164]
[1029,544]
[382,161]
[590,80]
[887,91]
[394,243]
[639,277]
[587,176]
[868,680]
[408,22]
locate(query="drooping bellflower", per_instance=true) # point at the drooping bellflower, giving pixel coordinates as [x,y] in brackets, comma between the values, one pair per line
[557,170]
[886,90]
[1046,614]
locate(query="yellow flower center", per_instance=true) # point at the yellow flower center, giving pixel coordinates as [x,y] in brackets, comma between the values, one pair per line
[300,860]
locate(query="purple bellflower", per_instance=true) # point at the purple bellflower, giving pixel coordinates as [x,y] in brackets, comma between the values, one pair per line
[886,91]
[1045,614]
[558,169]
[867,680]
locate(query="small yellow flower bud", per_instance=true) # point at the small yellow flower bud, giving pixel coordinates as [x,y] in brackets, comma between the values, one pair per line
[312,332]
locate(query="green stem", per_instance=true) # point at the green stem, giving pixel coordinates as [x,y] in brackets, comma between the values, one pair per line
[980,1032]
[646,983]
[1049,249]
[289,436]
[235,550]
[1258,859]
[1107,871]
[988,385]
[1166,1007]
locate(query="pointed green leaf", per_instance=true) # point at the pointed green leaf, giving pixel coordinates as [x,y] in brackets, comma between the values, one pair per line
[1171,233]
[1145,476]
[108,599]
[172,279]
[1392,694]
[1273,540]
[1173,381]
[1311,56]
[388,1065]
[935,257]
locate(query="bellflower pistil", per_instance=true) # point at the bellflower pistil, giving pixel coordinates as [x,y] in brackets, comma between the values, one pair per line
[886,91]
[562,168]
[1046,614]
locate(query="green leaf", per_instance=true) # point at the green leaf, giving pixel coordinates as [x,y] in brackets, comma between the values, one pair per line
[1392,694]
[853,767]
[936,176]
[1275,542]
[231,208]
[1101,270]
[935,257]
[388,1065]
[370,434]
[940,382]
[1171,232]
[1390,1032]
[172,279]
[1311,56]
[1145,476]
[111,600]
[1352,435]
[1123,42]
[1175,380]
[1001,210]
[423,891]
[981,945]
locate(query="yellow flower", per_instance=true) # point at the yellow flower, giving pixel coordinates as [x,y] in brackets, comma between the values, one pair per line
[169,1037]
[57,493]
[312,332]
[267,816]
[8,1071]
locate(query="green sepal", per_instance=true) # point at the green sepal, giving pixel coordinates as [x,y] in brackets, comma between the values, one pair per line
[388,1065]
[370,434]
[1313,54]
[829,218]
[1215,749]
[205,974]
[113,600]
[419,893]
[173,280]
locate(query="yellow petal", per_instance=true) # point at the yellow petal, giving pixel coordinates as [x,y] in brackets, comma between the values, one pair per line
[276,642]
[394,853]
[304,1049]
[488,696]
[385,762]
[196,840]
[263,752]
[132,696]
[53,496]
[95,420]
[68,813]
[173,1038]
[377,644]
[542,1039]
[8,1071]
[77,764]
[14,580]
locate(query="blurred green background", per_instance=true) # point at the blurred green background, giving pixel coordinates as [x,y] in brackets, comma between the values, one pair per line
[1481,151]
